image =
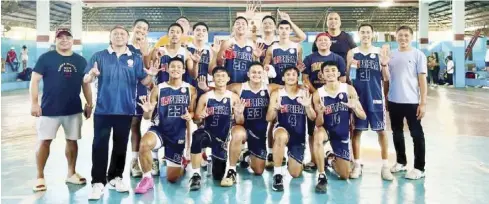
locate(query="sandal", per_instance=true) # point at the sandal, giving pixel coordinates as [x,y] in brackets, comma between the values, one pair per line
[40,185]
[76,179]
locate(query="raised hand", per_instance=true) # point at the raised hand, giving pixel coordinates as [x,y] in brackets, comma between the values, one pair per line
[161,52]
[259,49]
[94,71]
[301,66]
[250,11]
[202,83]
[283,15]
[352,103]
[196,56]
[187,115]
[216,46]
[146,104]
[239,107]
[143,44]
[154,68]
[385,54]
[306,99]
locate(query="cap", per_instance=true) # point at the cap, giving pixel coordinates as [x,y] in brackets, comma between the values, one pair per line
[66,31]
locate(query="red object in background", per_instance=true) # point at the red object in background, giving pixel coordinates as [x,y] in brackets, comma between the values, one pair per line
[11,56]
[470,75]
[229,54]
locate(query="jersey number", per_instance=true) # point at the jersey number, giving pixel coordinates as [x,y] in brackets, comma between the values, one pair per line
[335,119]
[254,113]
[175,110]
[364,75]
[293,120]
[240,65]
[215,120]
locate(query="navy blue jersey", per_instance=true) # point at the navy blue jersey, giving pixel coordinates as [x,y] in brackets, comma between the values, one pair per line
[265,47]
[283,58]
[368,82]
[238,62]
[313,66]
[172,102]
[337,115]
[292,116]
[163,75]
[256,105]
[218,121]
[203,69]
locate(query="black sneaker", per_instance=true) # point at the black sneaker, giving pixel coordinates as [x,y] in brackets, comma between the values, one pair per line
[244,164]
[269,162]
[278,184]
[322,185]
[195,182]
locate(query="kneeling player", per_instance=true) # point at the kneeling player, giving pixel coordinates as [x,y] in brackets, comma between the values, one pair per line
[290,105]
[333,102]
[175,102]
[216,109]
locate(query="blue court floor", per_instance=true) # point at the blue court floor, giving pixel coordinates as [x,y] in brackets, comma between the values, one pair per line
[457,164]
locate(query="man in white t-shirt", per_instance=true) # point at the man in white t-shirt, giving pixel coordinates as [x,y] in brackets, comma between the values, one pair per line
[450,69]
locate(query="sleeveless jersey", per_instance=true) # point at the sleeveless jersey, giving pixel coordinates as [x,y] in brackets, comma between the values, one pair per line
[163,75]
[292,116]
[203,69]
[283,58]
[337,115]
[256,105]
[238,61]
[218,121]
[368,82]
[172,103]
[266,46]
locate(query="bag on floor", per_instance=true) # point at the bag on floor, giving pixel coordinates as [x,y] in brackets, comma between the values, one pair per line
[25,75]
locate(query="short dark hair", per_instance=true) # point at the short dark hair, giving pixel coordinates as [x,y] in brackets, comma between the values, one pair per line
[254,63]
[175,25]
[291,68]
[219,69]
[366,25]
[270,17]
[284,22]
[240,17]
[405,28]
[328,63]
[176,59]
[200,24]
[141,20]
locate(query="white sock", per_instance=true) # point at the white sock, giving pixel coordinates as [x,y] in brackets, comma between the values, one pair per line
[154,154]
[193,171]
[277,170]
[147,174]
[358,162]
[135,155]
[385,163]
[322,172]
[330,162]
[269,150]
[232,167]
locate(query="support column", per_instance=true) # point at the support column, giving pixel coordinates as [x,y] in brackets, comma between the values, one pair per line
[42,28]
[76,25]
[458,28]
[424,17]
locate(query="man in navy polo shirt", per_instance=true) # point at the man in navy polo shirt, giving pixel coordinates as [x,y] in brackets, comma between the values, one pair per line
[117,70]
[62,73]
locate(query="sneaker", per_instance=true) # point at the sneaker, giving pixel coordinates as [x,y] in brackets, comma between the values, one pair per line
[414,174]
[386,174]
[244,164]
[398,167]
[311,166]
[118,185]
[97,191]
[322,184]
[278,183]
[155,170]
[135,169]
[356,171]
[195,182]
[269,162]
[144,185]
[329,155]
[230,178]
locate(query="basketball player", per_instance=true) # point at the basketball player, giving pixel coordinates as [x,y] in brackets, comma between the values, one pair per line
[238,52]
[290,106]
[312,77]
[175,101]
[199,44]
[139,45]
[371,73]
[186,38]
[333,102]
[215,110]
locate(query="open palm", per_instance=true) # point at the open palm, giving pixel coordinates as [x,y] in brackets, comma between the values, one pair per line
[146,105]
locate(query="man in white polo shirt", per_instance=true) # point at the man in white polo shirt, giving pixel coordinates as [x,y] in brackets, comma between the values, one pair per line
[407,99]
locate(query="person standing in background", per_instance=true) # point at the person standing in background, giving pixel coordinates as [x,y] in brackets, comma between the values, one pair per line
[450,69]
[24,57]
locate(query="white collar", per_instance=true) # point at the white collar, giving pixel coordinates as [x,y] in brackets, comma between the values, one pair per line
[128,52]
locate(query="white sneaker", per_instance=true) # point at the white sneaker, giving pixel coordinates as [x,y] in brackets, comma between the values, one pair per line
[97,191]
[357,171]
[414,174]
[386,174]
[135,169]
[398,167]
[118,185]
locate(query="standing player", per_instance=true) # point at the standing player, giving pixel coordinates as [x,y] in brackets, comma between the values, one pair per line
[198,45]
[138,46]
[289,105]
[312,77]
[175,102]
[371,73]
[333,102]
[185,39]
[216,109]
[238,52]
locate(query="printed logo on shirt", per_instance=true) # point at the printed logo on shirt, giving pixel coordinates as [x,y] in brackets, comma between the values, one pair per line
[377,101]
[181,141]
[262,93]
[130,63]
[372,56]
[67,69]
[292,51]
[248,49]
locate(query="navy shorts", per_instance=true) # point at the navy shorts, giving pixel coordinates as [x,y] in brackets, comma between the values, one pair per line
[257,144]
[218,146]
[375,119]
[173,151]
[487,64]
[141,90]
[340,145]
[295,147]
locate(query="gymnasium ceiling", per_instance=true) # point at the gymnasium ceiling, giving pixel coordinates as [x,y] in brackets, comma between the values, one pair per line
[102,15]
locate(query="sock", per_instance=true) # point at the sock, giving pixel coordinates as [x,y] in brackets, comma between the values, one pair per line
[385,163]
[154,154]
[330,162]
[135,155]
[269,150]
[194,171]
[247,159]
[322,172]
[232,167]
[358,162]
[277,170]
[147,174]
